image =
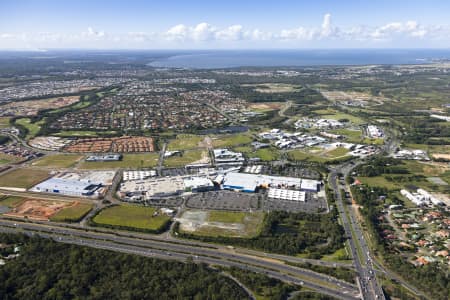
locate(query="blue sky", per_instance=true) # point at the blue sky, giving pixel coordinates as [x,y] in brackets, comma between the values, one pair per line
[228,24]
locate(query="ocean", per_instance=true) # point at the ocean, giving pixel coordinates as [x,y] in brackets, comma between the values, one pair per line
[275,58]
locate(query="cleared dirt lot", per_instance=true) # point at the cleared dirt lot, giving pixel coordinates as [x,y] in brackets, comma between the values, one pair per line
[37,209]
[220,223]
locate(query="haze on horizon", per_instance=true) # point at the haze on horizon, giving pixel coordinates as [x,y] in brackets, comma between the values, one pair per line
[33,25]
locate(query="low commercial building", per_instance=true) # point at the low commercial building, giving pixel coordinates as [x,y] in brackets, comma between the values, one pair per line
[251,182]
[289,195]
[109,157]
[138,175]
[198,184]
[68,187]
[227,157]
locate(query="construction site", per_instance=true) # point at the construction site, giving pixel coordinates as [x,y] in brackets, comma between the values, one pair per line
[124,144]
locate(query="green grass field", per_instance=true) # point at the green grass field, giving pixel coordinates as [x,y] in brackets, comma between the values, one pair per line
[337,115]
[221,141]
[33,128]
[69,133]
[185,142]
[338,152]
[58,161]
[7,159]
[23,178]
[379,181]
[299,155]
[266,154]
[72,214]
[4,122]
[134,161]
[131,216]
[10,201]
[188,157]
[352,136]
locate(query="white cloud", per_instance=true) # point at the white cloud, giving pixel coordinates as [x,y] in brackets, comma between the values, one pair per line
[232,33]
[324,33]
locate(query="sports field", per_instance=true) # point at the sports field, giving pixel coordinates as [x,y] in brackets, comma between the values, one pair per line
[134,161]
[58,161]
[23,178]
[132,216]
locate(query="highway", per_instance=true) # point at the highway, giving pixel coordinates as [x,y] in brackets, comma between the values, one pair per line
[370,288]
[181,251]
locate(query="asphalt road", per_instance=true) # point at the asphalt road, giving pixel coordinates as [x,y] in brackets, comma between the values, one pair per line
[165,249]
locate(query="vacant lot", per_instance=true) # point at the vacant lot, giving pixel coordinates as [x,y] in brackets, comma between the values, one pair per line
[10,201]
[38,209]
[72,213]
[266,154]
[23,178]
[379,181]
[187,157]
[351,136]
[222,141]
[130,216]
[319,157]
[58,161]
[274,87]
[222,223]
[185,142]
[6,159]
[4,122]
[266,106]
[131,161]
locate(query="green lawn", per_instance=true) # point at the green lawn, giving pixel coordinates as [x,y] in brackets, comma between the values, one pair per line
[187,157]
[339,255]
[72,213]
[185,142]
[266,154]
[352,136]
[33,128]
[133,161]
[23,178]
[338,152]
[337,115]
[58,161]
[4,122]
[10,201]
[379,181]
[131,216]
[376,141]
[222,141]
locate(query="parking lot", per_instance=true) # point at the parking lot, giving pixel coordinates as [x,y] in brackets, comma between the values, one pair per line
[313,204]
[165,202]
[224,200]
[292,171]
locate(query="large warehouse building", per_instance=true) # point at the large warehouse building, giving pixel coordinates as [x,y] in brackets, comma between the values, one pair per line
[68,187]
[250,182]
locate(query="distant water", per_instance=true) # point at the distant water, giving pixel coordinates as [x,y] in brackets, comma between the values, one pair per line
[275,58]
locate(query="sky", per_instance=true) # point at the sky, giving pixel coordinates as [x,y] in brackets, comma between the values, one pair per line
[230,24]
